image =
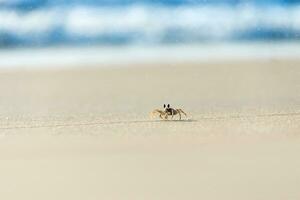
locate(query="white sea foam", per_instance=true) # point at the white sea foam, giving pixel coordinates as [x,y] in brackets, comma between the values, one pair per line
[149,23]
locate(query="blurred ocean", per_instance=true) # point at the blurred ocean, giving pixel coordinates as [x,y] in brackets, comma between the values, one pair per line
[44,23]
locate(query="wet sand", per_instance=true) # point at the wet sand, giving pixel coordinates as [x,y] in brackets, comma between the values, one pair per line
[85,133]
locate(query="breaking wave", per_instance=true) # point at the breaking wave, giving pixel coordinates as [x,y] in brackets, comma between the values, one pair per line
[146,24]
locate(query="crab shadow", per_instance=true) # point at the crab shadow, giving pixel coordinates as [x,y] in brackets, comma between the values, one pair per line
[154,121]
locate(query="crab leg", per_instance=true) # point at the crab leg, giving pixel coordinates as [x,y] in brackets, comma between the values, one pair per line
[179,115]
[173,113]
[179,110]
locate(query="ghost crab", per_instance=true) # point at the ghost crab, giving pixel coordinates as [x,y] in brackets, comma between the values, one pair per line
[168,111]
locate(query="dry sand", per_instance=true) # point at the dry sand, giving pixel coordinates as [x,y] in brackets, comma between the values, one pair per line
[86,133]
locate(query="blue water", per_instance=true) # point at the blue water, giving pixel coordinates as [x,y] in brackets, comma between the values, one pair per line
[146,22]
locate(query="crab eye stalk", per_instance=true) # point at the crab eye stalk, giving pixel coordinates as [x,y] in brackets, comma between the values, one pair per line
[164,105]
[168,105]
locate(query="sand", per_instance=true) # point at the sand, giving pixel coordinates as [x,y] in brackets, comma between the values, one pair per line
[85,133]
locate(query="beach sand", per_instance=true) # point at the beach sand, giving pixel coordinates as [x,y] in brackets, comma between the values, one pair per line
[85,133]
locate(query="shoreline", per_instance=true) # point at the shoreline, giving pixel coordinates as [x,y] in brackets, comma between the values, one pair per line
[120,56]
